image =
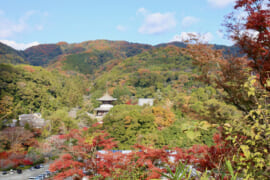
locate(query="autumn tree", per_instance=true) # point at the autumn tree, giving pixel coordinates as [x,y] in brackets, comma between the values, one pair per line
[16,139]
[226,73]
[80,151]
[163,116]
[249,27]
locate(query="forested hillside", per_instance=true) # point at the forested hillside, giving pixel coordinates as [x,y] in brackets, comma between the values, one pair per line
[29,89]
[184,106]
[86,57]
[128,71]
[41,55]
[148,71]
[10,55]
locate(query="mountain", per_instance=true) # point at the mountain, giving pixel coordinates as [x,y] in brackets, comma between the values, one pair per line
[175,43]
[233,50]
[230,50]
[88,57]
[142,75]
[76,53]
[41,55]
[10,55]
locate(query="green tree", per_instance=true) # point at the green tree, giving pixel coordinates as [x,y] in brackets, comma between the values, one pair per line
[60,122]
[126,122]
[251,135]
[122,93]
[27,89]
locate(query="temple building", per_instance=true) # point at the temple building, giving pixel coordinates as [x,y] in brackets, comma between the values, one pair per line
[106,105]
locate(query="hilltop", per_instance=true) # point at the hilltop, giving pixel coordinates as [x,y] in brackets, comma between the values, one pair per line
[10,55]
[86,57]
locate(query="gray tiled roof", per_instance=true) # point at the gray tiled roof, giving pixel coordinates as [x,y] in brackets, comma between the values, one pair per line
[107,97]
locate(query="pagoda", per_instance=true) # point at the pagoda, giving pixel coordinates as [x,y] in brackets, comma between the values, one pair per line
[106,104]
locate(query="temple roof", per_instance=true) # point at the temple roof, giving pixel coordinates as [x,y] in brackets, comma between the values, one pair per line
[107,97]
[104,107]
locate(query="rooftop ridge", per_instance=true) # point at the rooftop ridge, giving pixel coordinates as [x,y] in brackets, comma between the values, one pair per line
[107,97]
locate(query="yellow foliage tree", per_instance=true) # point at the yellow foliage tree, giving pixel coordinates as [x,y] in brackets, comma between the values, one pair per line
[163,116]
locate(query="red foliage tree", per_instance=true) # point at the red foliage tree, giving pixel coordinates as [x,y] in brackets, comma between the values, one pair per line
[249,27]
[205,158]
[152,160]
[81,158]
[80,146]
[67,167]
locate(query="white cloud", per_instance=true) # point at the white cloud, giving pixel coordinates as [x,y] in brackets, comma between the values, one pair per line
[19,46]
[253,34]
[39,27]
[121,28]
[45,14]
[220,3]
[220,34]
[142,11]
[185,36]
[2,12]
[189,20]
[9,28]
[157,23]
[265,4]
[241,15]
[207,37]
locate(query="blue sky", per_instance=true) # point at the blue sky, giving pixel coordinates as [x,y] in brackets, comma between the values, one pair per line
[31,22]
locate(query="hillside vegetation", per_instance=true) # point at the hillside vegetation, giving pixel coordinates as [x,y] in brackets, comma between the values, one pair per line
[28,89]
[10,55]
[86,57]
[128,71]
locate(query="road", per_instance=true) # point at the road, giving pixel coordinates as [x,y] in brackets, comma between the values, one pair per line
[26,174]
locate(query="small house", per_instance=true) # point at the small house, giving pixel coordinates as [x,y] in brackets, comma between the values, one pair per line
[146,101]
[33,120]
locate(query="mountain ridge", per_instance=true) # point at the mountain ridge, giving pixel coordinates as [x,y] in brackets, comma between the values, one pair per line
[85,57]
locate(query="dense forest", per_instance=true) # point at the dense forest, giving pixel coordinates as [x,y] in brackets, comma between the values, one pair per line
[209,120]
